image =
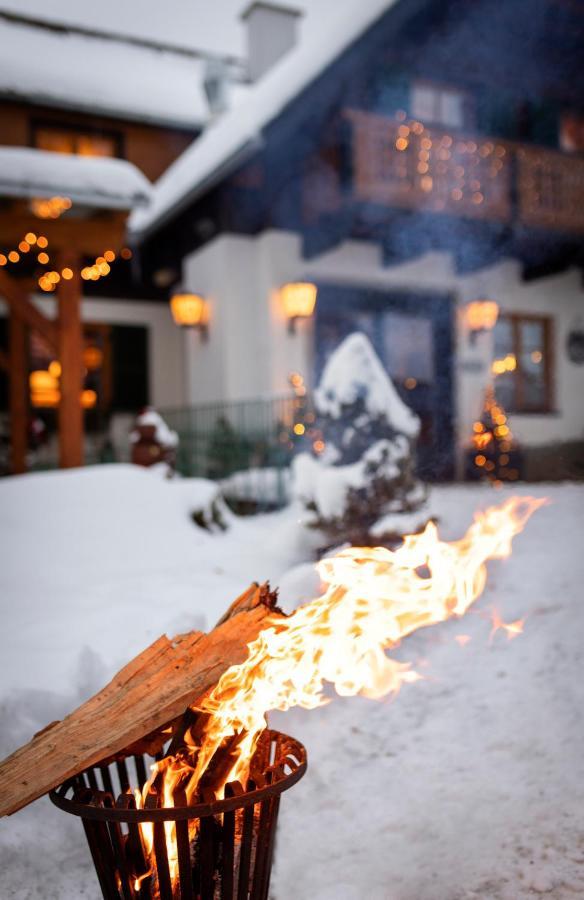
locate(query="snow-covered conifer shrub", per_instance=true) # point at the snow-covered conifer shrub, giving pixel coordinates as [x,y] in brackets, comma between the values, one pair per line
[362,482]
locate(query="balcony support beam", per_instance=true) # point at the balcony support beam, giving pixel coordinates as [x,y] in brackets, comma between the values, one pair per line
[18,373]
[71,359]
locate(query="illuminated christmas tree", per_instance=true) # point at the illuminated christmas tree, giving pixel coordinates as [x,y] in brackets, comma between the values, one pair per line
[495,456]
[299,430]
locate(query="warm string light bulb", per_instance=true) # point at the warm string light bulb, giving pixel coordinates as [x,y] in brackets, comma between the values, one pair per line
[29,241]
[50,208]
[433,163]
[492,442]
[101,267]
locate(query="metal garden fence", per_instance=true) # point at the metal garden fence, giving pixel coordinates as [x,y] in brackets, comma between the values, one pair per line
[247,446]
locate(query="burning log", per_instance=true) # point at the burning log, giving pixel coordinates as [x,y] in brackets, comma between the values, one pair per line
[207,813]
[141,708]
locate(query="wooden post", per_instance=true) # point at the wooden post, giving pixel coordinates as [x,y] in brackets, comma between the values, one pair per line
[70,341]
[18,394]
[19,303]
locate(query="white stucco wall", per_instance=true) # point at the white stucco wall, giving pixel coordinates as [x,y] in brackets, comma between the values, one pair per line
[250,352]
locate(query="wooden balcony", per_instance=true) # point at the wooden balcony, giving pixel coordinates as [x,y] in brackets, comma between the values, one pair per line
[550,189]
[408,166]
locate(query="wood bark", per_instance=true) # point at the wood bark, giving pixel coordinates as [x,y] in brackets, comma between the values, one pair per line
[20,304]
[140,707]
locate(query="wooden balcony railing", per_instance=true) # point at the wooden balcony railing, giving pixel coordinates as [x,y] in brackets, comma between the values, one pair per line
[410,166]
[550,189]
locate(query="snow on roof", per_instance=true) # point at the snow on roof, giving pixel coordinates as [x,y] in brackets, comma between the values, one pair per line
[89,180]
[227,140]
[354,370]
[62,67]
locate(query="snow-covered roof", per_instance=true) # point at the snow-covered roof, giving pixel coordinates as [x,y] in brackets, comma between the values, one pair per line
[238,131]
[87,180]
[101,73]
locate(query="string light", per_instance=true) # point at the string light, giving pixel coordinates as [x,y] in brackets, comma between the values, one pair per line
[492,441]
[101,267]
[506,364]
[442,167]
[24,247]
[98,270]
[50,208]
[53,208]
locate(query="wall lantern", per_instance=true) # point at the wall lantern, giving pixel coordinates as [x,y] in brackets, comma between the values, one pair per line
[481,315]
[190,311]
[298,299]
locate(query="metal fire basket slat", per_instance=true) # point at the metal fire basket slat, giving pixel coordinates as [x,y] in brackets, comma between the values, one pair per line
[224,848]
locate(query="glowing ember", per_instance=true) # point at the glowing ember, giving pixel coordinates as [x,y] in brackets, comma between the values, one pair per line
[511,629]
[374,598]
[463,639]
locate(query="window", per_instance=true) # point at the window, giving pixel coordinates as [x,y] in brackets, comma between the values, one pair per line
[115,363]
[130,367]
[523,363]
[439,105]
[79,143]
[408,341]
[572,134]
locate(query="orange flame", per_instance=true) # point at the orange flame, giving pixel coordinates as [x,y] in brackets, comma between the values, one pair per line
[374,598]
[512,629]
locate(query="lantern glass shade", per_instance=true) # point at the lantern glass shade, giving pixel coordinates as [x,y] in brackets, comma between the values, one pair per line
[189,310]
[481,315]
[298,299]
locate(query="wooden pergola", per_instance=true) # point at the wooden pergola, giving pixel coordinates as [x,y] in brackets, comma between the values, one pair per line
[97,221]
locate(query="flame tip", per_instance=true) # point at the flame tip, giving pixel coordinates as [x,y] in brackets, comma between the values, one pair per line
[373,598]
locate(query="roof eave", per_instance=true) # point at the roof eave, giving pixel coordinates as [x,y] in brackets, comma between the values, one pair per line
[246,151]
[93,109]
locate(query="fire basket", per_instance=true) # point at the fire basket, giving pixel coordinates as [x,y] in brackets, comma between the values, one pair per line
[215,850]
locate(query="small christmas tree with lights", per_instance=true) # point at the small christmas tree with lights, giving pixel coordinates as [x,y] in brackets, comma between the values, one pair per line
[495,455]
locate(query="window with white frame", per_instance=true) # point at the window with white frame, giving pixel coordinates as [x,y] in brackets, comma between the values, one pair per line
[438,104]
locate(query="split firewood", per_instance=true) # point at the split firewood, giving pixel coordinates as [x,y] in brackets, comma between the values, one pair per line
[141,708]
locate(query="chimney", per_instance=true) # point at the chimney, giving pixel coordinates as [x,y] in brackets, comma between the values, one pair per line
[271,33]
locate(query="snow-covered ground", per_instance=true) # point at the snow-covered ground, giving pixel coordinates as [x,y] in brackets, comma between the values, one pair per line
[469,784]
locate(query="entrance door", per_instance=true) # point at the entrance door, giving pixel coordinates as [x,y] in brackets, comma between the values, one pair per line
[412,334]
